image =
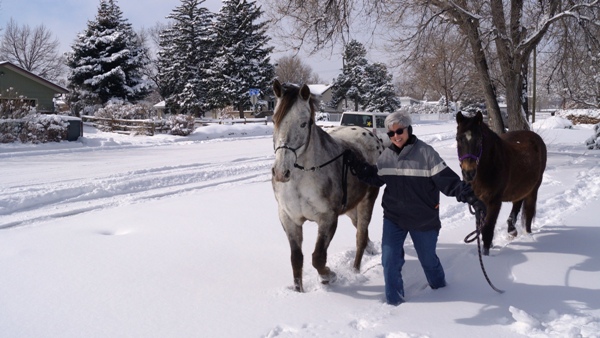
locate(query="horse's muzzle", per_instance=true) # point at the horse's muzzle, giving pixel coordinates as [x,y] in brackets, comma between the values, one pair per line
[281,176]
[468,175]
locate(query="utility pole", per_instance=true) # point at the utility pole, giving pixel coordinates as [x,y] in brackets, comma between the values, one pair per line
[534,86]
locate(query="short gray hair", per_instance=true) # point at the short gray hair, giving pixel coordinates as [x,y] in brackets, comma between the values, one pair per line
[399,117]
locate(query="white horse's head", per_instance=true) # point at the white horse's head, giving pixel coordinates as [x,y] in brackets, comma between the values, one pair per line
[293,121]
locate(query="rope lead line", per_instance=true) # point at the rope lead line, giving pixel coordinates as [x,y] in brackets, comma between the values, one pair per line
[479,217]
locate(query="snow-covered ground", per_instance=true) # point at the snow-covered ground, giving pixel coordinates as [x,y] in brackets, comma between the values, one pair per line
[164,236]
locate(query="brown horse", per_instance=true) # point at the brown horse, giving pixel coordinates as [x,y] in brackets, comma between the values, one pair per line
[506,168]
[311,182]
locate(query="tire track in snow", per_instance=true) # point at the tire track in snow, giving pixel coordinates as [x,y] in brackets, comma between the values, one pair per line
[27,204]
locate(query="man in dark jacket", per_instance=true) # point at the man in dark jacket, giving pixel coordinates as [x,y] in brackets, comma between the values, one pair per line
[414,174]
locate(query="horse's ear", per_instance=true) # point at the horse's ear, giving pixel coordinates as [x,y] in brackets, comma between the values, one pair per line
[459,117]
[305,92]
[479,117]
[277,88]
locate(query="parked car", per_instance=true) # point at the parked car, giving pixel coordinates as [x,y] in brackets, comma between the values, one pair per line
[374,122]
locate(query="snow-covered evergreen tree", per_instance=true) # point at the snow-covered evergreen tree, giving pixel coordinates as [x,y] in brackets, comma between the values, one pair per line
[106,61]
[351,84]
[185,58]
[380,94]
[243,58]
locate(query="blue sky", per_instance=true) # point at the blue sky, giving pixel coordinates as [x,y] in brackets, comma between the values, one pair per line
[66,18]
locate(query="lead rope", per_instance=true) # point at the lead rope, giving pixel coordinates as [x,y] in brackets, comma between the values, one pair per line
[479,219]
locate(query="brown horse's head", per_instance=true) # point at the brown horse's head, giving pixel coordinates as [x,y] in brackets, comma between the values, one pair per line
[469,143]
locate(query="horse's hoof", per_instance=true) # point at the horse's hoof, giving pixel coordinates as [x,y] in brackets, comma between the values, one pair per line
[298,285]
[512,234]
[486,251]
[329,278]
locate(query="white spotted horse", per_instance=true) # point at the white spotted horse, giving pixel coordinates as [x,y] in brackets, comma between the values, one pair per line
[310,178]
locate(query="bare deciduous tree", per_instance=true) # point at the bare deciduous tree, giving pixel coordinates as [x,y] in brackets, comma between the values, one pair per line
[443,68]
[292,69]
[573,61]
[34,50]
[514,27]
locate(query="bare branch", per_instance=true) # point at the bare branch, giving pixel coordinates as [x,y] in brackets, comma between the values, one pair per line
[34,50]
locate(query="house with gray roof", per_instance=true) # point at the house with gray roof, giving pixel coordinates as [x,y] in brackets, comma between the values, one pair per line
[16,82]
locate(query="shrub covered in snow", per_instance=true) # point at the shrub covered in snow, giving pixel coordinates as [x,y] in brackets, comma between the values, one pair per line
[34,128]
[13,105]
[594,141]
[117,109]
[9,130]
[181,125]
[43,128]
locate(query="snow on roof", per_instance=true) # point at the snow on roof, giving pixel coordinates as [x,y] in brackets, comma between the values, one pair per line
[318,89]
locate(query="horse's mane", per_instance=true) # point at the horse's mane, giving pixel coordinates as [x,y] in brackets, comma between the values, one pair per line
[489,134]
[288,99]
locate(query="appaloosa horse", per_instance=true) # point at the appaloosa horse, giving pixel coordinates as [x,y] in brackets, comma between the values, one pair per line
[310,178]
[508,168]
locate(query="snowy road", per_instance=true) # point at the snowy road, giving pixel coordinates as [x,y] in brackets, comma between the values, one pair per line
[151,237]
[38,185]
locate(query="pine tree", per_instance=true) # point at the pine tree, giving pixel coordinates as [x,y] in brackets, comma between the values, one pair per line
[380,94]
[106,61]
[185,58]
[369,86]
[242,61]
[351,83]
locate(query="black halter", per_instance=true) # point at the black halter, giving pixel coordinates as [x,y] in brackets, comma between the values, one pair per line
[296,165]
[472,156]
[345,166]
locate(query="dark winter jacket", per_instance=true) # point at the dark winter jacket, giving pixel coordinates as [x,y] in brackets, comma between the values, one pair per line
[413,178]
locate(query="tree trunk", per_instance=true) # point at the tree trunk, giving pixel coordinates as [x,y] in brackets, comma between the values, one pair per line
[241,109]
[470,28]
[514,100]
[512,58]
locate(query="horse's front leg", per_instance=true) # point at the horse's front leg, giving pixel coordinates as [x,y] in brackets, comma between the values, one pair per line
[487,232]
[294,235]
[512,218]
[319,257]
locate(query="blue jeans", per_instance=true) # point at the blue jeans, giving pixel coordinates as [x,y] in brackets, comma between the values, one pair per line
[392,259]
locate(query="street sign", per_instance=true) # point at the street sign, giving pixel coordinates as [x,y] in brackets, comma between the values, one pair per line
[254,92]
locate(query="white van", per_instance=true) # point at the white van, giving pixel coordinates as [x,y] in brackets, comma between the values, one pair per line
[374,122]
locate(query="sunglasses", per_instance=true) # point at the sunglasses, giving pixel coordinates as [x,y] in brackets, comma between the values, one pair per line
[398,131]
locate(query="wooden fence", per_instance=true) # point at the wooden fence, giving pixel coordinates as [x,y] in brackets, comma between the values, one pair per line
[145,127]
[205,121]
[150,127]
